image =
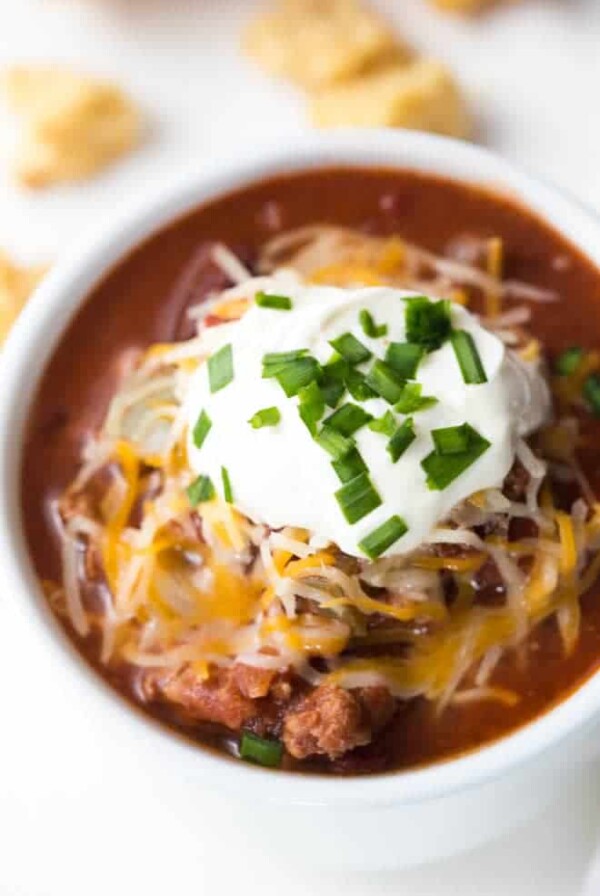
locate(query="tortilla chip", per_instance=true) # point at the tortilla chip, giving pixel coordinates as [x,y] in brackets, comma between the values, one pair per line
[421,96]
[319,42]
[466,6]
[74,125]
[16,285]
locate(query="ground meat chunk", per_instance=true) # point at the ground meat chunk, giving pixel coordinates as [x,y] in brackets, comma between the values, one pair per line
[252,681]
[215,699]
[237,697]
[330,721]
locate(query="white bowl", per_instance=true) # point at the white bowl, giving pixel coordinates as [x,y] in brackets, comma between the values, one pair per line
[384,820]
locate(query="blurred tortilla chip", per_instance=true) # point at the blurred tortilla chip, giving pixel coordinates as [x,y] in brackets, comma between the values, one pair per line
[73,125]
[319,42]
[420,96]
[467,7]
[16,285]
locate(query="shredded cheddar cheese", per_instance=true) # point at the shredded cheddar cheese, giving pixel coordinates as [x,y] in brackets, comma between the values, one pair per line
[568,558]
[309,565]
[493,299]
[369,605]
[453,564]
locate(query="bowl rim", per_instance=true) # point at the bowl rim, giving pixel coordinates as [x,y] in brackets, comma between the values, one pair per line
[38,331]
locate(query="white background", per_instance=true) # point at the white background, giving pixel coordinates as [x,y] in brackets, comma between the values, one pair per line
[80,814]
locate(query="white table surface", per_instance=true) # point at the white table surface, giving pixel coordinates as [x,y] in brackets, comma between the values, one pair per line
[78,815]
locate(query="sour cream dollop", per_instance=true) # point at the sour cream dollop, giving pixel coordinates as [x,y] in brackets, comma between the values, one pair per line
[281,477]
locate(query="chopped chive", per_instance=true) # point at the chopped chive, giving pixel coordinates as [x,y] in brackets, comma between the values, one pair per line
[451,439]
[369,327]
[279,303]
[428,323]
[200,490]
[350,348]
[261,750]
[348,419]
[332,380]
[201,429]
[297,374]
[265,417]
[220,368]
[591,393]
[401,439]
[386,425]
[442,469]
[468,358]
[333,393]
[274,362]
[404,357]
[227,490]
[382,538]
[349,466]
[568,361]
[385,381]
[311,405]
[357,386]
[336,444]
[411,399]
[357,498]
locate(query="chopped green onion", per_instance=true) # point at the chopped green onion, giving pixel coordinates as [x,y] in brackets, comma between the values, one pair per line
[332,380]
[369,327]
[401,439]
[386,425]
[336,444]
[442,469]
[384,380]
[349,347]
[382,538]
[451,439]
[279,303]
[311,405]
[428,323]
[201,429]
[274,362]
[411,400]
[333,392]
[265,417]
[468,358]
[357,498]
[349,466]
[261,750]
[357,386]
[568,361]
[297,374]
[591,393]
[200,490]
[279,364]
[227,490]
[404,357]
[220,368]
[348,419]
